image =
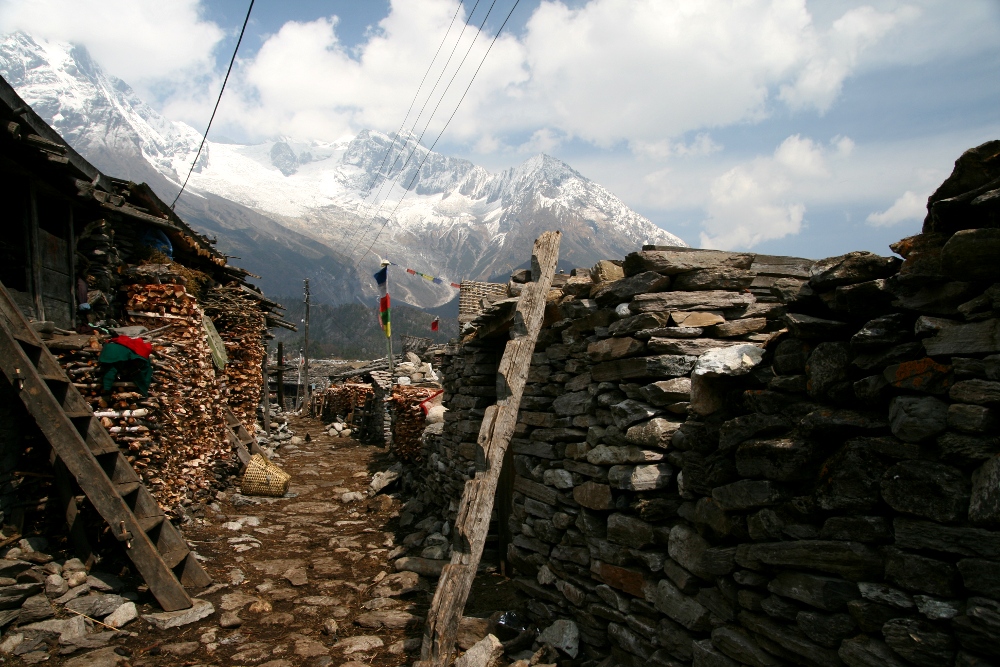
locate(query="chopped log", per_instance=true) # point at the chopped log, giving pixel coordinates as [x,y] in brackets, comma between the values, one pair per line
[472,523]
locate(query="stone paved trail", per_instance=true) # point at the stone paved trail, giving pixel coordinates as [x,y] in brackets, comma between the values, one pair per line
[301,580]
[307,579]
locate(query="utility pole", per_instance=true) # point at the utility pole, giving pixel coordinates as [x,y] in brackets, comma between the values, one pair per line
[267,394]
[305,349]
[281,377]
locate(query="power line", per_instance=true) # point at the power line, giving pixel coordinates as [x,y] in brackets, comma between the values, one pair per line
[417,173]
[219,99]
[431,117]
[392,145]
[367,217]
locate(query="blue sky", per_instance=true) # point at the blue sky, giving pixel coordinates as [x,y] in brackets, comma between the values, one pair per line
[785,126]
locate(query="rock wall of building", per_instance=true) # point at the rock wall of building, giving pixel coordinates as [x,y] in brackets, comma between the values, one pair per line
[706,475]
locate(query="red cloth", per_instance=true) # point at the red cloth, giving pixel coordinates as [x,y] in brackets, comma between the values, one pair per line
[434,324]
[137,345]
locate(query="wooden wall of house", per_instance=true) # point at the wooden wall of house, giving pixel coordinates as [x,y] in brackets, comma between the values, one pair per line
[37,247]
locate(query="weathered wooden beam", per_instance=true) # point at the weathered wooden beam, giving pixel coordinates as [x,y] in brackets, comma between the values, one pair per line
[473,521]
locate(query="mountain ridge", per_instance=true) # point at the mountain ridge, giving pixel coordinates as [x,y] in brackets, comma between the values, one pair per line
[458,220]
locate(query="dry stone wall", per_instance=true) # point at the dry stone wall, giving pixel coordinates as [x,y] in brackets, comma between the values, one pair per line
[708,474]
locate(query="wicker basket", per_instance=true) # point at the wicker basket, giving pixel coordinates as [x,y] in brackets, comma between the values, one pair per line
[263,478]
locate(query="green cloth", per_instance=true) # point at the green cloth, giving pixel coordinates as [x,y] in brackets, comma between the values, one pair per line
[117,360]
[215,343]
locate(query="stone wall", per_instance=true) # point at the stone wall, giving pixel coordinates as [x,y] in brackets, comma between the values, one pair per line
[707,474]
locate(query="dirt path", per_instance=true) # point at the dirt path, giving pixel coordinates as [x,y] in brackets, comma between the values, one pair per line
[302,580]
[298,572]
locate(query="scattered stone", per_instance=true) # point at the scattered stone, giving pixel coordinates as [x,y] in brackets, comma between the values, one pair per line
[173,619]
[392,619]
[102,657]
[485,653]
[421,566]
[180,648]
[297,576]
[279,619]
[310,648]
[123,615]
[359,644]
[230,619]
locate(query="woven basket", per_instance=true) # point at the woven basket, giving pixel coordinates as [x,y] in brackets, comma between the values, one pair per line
[263,478]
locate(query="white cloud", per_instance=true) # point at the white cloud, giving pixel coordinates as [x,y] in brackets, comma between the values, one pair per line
[909,206]
[833,55]
[643,72]
[757,201]
[700,146]
[136,40]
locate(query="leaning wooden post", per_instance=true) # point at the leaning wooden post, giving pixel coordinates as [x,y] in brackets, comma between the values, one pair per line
[473,520]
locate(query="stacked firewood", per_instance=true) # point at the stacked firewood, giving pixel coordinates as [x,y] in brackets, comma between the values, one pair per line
[343,399]
[185,398]
[124,412]
[408,422]
[240,323]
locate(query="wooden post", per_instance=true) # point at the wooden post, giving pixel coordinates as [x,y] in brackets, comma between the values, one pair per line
[473,521]
[281,377]
[35,259]
[266,394]
[306,396]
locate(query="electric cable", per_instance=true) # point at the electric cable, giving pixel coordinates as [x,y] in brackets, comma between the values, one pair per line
[219,99]
[431,117]
[366,217]
[448,122]
[402,125]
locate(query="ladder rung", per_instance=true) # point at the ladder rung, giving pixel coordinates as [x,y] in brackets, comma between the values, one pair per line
[101,452]
[49,377]
[25,338]
[125,488]
[81,414]
[150,522]
[173,558]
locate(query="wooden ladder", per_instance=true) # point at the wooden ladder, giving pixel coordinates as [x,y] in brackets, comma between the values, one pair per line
[241,440]
[82,448]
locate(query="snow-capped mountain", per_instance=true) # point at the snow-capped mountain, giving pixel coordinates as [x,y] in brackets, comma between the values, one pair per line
[458,220]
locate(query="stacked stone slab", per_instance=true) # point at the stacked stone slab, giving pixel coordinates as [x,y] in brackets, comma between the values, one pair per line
[707,473]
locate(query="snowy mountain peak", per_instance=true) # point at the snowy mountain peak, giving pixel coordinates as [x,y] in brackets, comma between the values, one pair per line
[442,215]
[91,109]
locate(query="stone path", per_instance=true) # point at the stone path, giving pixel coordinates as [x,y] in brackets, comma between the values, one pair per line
[301,580]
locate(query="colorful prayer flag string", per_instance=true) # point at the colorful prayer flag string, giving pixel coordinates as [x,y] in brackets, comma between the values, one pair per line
[434,279]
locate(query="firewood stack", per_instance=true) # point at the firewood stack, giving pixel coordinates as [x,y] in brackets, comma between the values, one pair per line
[344,399]
[408,424]
[185,399]
[240,323]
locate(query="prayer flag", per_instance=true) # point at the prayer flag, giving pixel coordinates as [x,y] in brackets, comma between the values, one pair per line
[382,278]
[434,323]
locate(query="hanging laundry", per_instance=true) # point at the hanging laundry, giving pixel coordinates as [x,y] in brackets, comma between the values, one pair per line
[128,359]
